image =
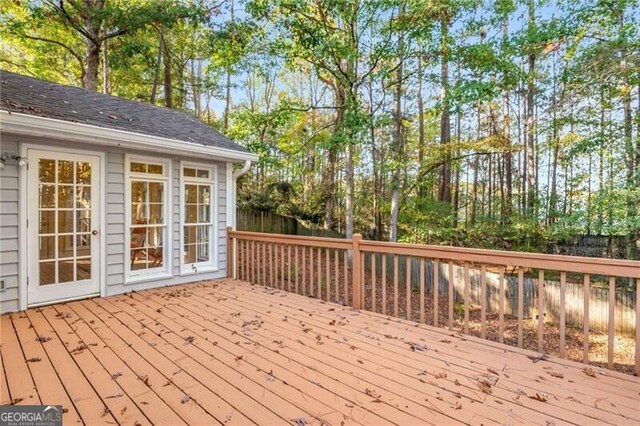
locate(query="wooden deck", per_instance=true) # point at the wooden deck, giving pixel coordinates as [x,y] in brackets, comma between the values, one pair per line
[228,352]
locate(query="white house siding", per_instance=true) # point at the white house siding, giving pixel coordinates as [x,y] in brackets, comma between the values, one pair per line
[114,219]
[9,247]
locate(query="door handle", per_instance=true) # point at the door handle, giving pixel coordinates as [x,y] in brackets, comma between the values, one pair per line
[94,232]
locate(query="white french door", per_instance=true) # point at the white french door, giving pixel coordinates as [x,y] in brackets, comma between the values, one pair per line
[63,238]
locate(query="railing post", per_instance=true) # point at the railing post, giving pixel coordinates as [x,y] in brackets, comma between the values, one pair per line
[230,253]
[356,280]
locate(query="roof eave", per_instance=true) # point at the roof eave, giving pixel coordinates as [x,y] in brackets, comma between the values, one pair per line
[32,125]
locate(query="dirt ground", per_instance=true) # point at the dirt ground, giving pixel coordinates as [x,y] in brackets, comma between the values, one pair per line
[273,268]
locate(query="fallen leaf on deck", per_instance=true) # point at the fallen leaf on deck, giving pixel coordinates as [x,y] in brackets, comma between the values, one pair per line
[540,396]
[417,347]
[589,372]
[555,374]
[34,359]
[43,339]
[116,375]
[484,385]
[373,394]
[145,380]
[185,399]
[300,421]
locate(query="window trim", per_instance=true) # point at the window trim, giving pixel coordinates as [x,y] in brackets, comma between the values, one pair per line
[214,246]
[158,272]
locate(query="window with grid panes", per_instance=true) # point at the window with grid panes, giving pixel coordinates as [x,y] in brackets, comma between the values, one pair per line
[198,185]
[148,215]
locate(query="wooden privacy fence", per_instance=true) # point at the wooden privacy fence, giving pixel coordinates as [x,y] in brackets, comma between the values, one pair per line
[368,275]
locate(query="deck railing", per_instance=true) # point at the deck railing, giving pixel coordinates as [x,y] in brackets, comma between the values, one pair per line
[473,291]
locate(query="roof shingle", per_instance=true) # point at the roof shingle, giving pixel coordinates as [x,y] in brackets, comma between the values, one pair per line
[27,95]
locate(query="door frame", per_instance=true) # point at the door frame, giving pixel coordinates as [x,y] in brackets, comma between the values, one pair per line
[22,220]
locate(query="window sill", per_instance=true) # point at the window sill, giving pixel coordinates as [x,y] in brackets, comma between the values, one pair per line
[135,279]
[187,270]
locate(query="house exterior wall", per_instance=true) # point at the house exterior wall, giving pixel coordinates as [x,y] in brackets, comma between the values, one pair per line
[114,215]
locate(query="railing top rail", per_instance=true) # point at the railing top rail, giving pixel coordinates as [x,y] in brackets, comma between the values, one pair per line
[322,242]
[586,265]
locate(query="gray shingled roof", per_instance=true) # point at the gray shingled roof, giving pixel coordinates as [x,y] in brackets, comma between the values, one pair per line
[27,95]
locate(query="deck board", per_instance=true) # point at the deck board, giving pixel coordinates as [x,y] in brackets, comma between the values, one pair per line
[514,364]
[226,352]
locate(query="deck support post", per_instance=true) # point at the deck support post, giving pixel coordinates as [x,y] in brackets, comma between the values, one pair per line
[356,279]
[230,253]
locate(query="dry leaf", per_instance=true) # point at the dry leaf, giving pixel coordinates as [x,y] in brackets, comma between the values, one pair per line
[300,421]
[540,396]
[373,394]
[555,374]
[185,399]
[589,372]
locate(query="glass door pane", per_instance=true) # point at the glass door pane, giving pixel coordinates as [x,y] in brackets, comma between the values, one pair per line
[64,229]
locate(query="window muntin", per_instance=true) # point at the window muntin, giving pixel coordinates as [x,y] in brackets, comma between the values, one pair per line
[198,221]
[147,187]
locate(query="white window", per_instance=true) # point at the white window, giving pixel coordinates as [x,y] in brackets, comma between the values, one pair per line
[199,233]
[147,217]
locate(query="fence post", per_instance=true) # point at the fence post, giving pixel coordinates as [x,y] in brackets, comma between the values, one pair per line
[356,280]
[230,256]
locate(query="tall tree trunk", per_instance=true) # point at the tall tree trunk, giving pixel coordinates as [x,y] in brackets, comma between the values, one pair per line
[156,70]
[397,147]
[350,192]
[421,189]
[106,86]
[168,87]
[530,118]
[506,134]
[444,193]
[227,95]
[93,66]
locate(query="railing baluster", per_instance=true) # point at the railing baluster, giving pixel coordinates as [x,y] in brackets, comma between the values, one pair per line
[563,282]
[612,321]
[311,272]
[345,259]
[373,282]
[436,290]
[252,275]
[327,275]
[383,279]
[336,273]
[520,304]
[319,295]
[395,285]
[282,274]
[467,286]
[303,249]
[637,369]
[295,255]
[255,271]
[247,261]
[501,300]
[289,268]
[483,301]
[362,280]
[408,284]
[422,293]
[541,311]
[241,260]
[585,321]
[264,262]
[272,265]
[450,289]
